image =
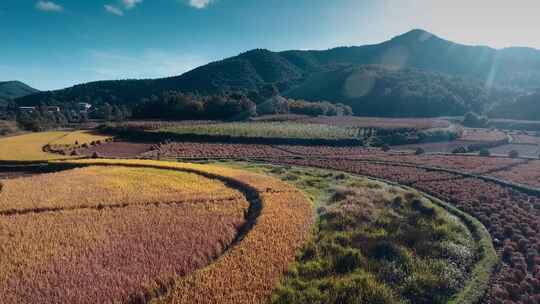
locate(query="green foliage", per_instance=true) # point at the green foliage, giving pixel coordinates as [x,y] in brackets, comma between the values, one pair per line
[14,89]
[473,120]
[355,76]
[484,152]
[266,130]
[400,253]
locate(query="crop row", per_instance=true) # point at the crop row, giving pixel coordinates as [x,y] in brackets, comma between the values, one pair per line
[110,255]
[108,186]
[474,164]
[265,130]
[527,173]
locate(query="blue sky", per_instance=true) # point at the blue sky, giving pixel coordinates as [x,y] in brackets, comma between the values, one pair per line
[59,43]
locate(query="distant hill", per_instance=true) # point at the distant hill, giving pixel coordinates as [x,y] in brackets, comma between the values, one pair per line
[14,89]
[526,107]
[463,76]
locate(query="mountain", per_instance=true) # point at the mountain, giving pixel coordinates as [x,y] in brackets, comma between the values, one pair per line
[14,89]
[462,75]
[526,107]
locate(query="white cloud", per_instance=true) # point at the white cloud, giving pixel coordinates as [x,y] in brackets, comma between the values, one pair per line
[129,4]
[48,6]
[113,10]
[200,4]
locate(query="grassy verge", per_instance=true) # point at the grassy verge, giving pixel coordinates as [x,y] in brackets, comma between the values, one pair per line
[319,275]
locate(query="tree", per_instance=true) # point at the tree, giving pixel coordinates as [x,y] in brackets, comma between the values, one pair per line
[484,152]
[474,120]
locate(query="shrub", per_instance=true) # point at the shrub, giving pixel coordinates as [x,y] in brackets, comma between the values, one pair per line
[484,152]
[347,260]
[385,148]
[513,154]
[459,149]
[419,151]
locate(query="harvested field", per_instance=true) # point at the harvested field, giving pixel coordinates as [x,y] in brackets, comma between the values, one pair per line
[77,138]
[117,149]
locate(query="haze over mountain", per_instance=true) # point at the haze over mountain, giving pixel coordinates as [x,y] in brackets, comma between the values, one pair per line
[10,90]
[414,74]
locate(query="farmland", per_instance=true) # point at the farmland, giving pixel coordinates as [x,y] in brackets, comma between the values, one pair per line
[510,215]
[260,248]
[30,147]
[266,130]
[144,230]
[363,122]
[346,251]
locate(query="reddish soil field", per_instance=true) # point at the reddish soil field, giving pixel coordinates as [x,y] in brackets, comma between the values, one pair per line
[527,174]
[438,147]
[511,217]
[473,164]
[523,150]
[117,149]
[483,135]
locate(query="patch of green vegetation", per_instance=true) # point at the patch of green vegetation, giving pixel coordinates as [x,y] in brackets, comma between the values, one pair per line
[266,130]
[380,243]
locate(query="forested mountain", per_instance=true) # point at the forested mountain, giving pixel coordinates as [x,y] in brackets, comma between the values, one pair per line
[416,73]
[14,89]
[526,107]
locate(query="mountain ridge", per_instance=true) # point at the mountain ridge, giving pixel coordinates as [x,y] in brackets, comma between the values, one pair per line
[13,89]
[517,68]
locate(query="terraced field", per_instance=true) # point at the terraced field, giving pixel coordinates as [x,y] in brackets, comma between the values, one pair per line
[136,231]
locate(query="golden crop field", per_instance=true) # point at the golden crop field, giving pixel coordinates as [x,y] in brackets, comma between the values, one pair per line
[248,272]
[143,231]
[107,186]
[29,147]
[101,234]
